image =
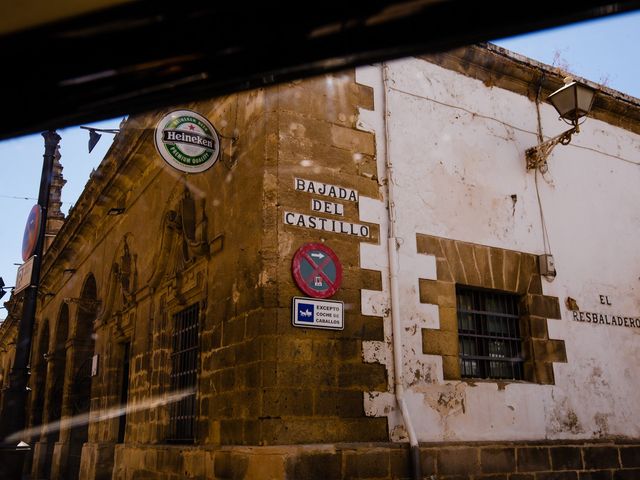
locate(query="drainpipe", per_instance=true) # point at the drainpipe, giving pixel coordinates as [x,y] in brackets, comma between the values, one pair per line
[394,269]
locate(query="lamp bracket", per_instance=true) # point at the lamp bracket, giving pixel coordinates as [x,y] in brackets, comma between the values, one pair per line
[536,157]
[233,139]
[102,130]
[228,158]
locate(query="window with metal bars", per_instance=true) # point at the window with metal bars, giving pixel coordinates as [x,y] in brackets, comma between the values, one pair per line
[184,374]
[489,334]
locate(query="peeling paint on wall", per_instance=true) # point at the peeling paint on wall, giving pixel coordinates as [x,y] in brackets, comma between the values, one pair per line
[458,153]
[447,399]
[564,419]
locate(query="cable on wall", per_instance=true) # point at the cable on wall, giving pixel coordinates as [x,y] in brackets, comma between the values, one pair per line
[519,129]
[545,234]
[542,169]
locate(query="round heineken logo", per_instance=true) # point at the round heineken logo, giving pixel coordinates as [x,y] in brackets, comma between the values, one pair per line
[187,141]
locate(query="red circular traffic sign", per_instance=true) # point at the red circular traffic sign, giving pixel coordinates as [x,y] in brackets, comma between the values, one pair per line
[317,270]
[31,229]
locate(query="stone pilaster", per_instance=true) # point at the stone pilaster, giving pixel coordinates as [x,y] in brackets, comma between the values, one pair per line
[55,217]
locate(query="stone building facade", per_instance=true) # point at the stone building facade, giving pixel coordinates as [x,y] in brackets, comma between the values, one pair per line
[171,293]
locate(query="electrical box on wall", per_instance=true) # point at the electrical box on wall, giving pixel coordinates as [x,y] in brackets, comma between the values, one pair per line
[94,365]
[547,265]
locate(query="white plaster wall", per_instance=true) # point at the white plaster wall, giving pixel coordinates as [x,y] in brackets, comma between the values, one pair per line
[458,152]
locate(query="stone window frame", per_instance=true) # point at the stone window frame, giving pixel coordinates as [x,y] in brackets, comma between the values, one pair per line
[483,339]
[199,318]
[493,268]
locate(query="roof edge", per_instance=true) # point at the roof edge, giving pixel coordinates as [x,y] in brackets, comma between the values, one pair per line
[499,67]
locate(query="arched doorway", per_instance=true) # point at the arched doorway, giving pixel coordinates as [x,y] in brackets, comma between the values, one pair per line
[80,382]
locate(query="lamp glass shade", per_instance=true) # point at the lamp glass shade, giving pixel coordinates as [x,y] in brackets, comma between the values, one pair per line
[573,101]
[93,139]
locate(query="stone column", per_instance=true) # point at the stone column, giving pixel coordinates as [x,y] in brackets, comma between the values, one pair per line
[98,452]
[43,448]
[55,217]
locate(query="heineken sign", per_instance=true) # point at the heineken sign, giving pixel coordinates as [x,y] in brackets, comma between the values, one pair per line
[187,141]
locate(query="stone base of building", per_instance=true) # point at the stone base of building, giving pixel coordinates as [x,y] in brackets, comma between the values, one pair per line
[60,461]
[611,460]
[12,462]
[41,461]
[97,461]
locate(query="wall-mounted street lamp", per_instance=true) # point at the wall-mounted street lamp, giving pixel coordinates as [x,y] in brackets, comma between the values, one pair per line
[115,211]
[3,288]
[573,102]
[94,136]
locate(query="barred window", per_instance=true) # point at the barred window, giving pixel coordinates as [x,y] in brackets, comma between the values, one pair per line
[184,374]
[489,334]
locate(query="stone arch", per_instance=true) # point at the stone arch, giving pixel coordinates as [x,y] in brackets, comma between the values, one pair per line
[55,365]
[79,388]
[59,359]
[87,306]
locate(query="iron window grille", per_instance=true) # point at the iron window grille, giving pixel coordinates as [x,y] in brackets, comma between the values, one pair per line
[489,334]
[184,374]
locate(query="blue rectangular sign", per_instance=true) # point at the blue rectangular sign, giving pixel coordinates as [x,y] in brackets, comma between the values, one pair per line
[316,313]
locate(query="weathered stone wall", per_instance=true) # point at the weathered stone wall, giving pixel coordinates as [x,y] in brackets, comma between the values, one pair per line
[222,276]
[470,461]
[261,381]
[146,271]
[8,335]
[461,263]
[455,132]
[316,392]
[163,462]
[278,401]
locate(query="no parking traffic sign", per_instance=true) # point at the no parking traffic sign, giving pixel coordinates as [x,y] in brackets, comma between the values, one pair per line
[31,230]
[317,270]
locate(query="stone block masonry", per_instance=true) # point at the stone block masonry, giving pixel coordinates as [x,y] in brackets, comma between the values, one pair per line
[276,401]
[317,390]
[462,263]
[468,461]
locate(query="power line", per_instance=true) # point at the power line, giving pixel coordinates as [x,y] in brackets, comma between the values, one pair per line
[17,198]
[487,117]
